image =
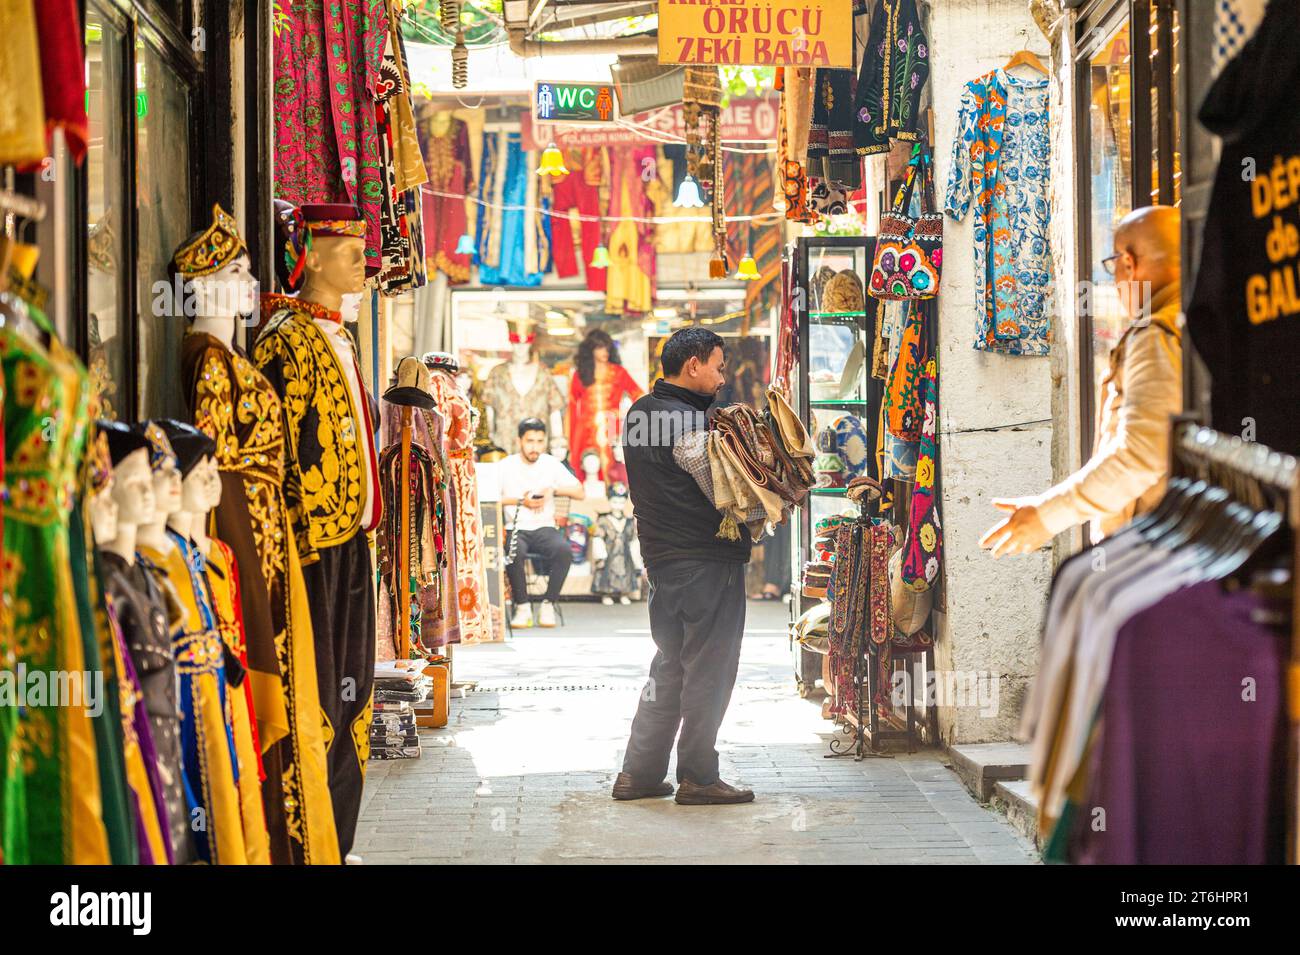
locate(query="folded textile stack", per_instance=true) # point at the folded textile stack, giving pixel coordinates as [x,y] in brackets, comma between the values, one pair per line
[816,578]
[393,733]
[401,681]
[758,463]
[812,629]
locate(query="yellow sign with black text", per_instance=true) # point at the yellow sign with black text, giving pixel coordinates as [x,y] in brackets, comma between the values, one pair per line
[757,32]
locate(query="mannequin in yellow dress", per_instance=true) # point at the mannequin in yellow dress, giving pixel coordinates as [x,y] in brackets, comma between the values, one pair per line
[200,493]
[210,763]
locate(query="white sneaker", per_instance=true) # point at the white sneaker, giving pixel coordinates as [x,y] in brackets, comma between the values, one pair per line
[625,600]
[607,601]
[546,615]
[523,618]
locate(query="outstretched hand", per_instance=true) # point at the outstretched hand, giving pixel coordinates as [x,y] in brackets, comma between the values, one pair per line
[1021,532]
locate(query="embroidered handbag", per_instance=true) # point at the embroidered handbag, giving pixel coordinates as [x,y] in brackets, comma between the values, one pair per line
[909,251]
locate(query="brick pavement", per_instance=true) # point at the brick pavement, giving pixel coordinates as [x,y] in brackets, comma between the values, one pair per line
[522,773]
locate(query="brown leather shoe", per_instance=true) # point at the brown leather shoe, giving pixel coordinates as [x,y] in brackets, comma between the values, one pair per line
[717,794]
[625,787]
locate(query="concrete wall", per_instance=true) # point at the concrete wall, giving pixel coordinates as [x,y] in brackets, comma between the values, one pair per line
[993,608]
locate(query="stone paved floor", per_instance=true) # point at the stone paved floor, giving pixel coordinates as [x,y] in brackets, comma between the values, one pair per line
[522,772]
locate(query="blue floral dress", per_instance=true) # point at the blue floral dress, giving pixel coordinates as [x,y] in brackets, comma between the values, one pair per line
[1001,165]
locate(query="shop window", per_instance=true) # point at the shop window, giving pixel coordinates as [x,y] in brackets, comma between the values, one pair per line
[163,208]
[108,267]
[1127,103]
[1110,177]
[137,193]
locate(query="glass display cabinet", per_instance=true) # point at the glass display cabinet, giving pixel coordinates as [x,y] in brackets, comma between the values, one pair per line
[833,392]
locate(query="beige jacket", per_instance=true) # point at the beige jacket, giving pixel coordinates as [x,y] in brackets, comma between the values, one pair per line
[1127,472]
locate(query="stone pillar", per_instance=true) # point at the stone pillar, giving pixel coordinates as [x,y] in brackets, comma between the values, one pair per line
[995,427]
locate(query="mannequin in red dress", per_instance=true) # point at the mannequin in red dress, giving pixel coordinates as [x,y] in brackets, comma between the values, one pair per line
[596,393]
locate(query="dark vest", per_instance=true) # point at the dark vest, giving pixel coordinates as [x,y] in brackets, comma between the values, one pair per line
[674,520]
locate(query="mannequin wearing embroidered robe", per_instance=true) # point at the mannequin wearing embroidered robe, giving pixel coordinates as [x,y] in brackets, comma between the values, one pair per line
[330,482]
[145,616]
[140,759]
[209,761]
[50,802]
[236,406]
[522,388]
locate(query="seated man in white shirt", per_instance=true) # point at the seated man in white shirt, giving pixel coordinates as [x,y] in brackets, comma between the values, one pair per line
[530,480]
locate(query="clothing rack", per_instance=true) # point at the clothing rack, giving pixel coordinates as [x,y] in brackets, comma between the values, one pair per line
[866,737]
[1245,469]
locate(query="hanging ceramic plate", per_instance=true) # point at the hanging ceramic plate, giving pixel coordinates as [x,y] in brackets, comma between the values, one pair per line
[851,445]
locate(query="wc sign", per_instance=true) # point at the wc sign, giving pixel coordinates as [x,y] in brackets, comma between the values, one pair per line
[577,103]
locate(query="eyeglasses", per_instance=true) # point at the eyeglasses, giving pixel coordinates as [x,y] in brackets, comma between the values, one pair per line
[1111,262]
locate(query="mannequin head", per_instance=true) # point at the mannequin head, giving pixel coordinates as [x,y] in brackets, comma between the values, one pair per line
[201,487]
[324,251]
[103,514]
[597,349]
[132,490]
[590,465]
[350,306]
[216,270]
[167,489]
[521,341]
[227,293]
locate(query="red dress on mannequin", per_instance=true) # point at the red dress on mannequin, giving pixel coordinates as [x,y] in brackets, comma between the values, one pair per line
[594,419]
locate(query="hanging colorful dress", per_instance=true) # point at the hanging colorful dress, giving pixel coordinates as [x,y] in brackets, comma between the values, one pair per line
[209,761]
[236,406]
[506,224]
[327,58]
[471,567]
[222,578]
[445,141]
[630,278]
[1001,165]
[595,421]
[50,802]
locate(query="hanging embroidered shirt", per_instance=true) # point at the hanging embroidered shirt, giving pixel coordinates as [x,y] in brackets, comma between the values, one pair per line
[892,81]
[1000,164]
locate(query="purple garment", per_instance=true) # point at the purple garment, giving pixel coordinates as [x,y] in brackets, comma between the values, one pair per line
[1189,772]
[144,737]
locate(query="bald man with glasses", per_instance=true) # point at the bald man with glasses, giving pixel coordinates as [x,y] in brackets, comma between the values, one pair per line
[1143,387]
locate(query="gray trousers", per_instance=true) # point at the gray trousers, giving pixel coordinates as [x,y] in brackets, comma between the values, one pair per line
[697,618]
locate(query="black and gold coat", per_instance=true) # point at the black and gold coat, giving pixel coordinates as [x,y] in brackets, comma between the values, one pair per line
[328,444]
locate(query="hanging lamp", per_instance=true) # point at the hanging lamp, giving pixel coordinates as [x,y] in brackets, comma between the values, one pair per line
[688,194]
[747,271]
[465,245]
[552,162]
[600,258]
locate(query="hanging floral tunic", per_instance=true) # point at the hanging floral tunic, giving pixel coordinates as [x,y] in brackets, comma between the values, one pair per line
[327,57]
[1001,165]
[891,84]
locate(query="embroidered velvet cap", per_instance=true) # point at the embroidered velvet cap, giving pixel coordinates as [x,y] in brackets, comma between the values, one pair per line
[161,454]
[189,443]
[441,361]
[295,243]
[121,439]
[412,385]
[334,219]
[213,249]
